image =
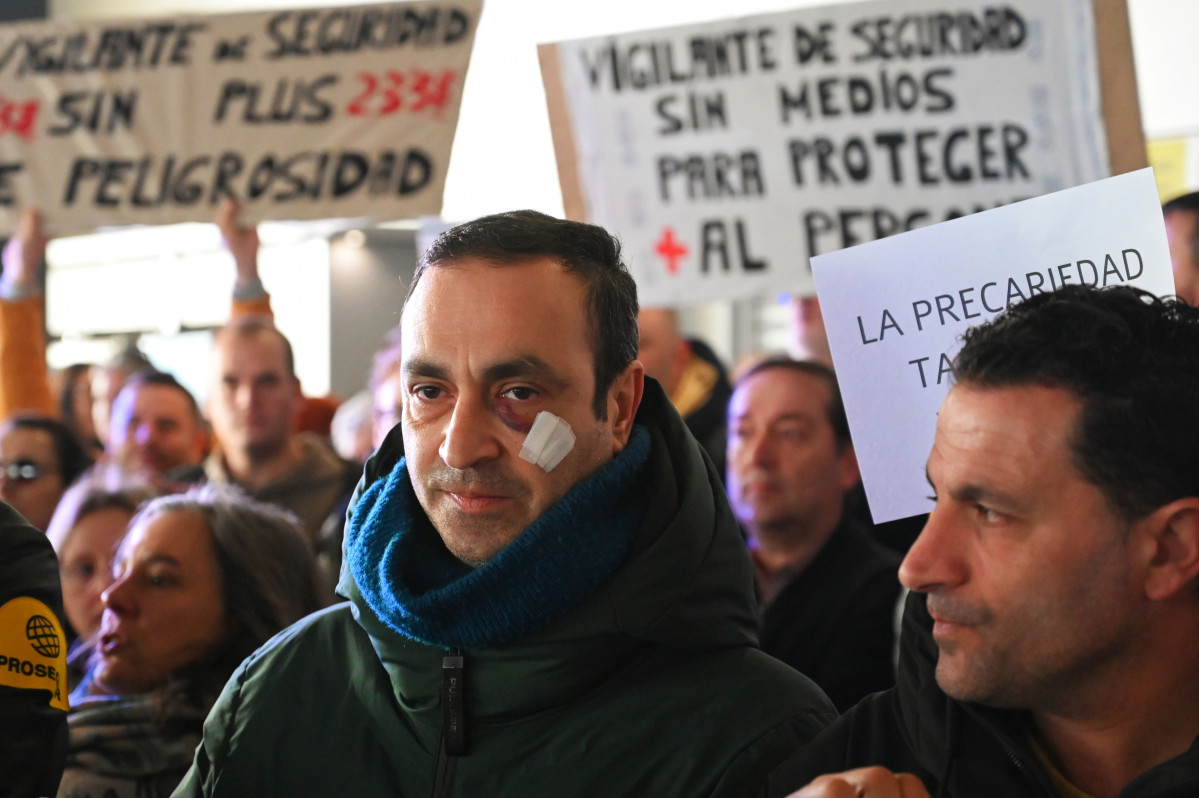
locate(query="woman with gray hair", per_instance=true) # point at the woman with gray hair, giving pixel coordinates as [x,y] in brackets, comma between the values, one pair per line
[200,581]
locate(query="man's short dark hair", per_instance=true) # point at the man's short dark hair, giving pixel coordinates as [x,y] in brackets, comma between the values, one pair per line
[166,380]
[1131,359]
[836,407]
[1186,202]
[583,249]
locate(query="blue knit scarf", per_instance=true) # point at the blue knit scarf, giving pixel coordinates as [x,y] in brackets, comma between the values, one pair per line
[413,584]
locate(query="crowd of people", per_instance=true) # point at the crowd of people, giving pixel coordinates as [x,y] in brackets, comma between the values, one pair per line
[554,551]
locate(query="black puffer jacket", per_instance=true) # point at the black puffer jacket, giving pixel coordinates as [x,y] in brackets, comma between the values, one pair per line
[653,685]
[33,673]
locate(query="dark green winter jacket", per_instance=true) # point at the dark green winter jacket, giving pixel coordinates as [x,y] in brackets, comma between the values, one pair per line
[653,685]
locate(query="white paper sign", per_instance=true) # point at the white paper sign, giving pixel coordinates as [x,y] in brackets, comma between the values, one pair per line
[298,114]
[895,309]
[725,154]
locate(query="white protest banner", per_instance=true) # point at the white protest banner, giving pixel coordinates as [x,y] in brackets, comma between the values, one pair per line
[342,112]
[895,309]
[725,154]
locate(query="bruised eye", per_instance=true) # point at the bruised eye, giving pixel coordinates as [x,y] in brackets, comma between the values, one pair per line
[520,393]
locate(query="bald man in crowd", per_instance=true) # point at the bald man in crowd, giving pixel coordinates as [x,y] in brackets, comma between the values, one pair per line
[691,375]
[252,404]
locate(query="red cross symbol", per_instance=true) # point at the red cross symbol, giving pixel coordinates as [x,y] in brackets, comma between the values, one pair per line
[18,117]
[670,250]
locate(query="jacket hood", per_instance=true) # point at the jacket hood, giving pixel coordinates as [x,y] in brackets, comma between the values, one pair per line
[687,581]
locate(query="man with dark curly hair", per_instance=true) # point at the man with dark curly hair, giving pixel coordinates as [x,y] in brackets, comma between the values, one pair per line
[1051,643]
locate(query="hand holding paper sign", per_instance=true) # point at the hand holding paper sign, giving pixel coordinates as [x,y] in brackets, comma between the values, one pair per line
[894,309]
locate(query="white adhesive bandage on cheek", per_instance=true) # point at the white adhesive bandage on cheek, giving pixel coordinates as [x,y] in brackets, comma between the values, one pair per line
[549,440]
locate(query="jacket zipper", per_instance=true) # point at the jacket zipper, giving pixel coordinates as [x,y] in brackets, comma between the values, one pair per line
[453,721]
[1005,743]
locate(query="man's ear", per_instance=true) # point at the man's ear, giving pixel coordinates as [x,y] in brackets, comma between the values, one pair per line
[682,355]
[297,401]
[624,397]
[1171,547]
[847,463]
[202,443]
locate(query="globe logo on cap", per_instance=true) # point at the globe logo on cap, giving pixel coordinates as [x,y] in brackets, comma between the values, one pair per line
[42,636]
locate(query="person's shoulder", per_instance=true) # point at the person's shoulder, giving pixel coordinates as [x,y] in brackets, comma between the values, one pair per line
[17,535]
[767,678]
[741,712]
[868,734]
[299,696]
[289,675]
[318,455]
[324,648]
[859,563]
[866,546]
[28,566]
[330,630]
[851,573]
[756,692]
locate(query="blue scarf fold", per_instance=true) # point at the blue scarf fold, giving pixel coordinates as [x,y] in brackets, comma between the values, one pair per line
[413,584]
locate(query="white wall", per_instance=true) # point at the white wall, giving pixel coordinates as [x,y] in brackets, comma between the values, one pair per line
[1163,34]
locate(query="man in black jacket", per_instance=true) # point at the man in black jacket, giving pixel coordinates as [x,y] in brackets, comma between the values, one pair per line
[828,590]
[1055,648]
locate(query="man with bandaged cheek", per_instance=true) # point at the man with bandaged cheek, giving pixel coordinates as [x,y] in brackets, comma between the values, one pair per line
[549,594]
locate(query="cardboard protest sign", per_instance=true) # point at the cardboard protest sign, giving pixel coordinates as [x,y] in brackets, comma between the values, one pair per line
[297,114]
[895,309]
[725,154]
